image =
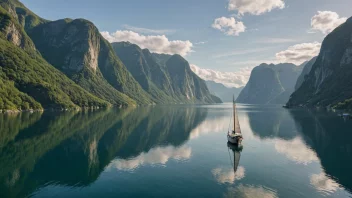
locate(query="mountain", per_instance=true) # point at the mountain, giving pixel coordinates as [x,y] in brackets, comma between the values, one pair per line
[168,81]
[67,64]
[186,84]
[224,93]
[307,66]
[144,68]
[77,49]
[329,81]
[270,84]
[29,82]
[26,18]
[161,58]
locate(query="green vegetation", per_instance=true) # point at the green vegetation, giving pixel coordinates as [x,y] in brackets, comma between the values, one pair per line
[38,79]
[82,69]
[76,48]
[12,99]
[347,104]
[169,82]
[26,18]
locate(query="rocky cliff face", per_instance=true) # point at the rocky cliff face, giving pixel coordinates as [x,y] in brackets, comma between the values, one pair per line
[26,18]
[76,48]
[12,31]
[96,75]
[28,81]
[329,81]
[306,69]
[270,84]
[144,68]
[187,84]
[169,80]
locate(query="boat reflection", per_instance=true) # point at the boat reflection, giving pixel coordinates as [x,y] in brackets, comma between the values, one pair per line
[236,150]
[236,172]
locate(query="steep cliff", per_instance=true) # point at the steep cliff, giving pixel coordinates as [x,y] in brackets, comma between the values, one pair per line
[29,81]
[76,48]
[263,86]
[306,69]
[144,68]
[329,81]
[167,78]
[187,84]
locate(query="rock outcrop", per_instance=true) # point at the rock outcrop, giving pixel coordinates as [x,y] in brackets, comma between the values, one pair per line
[329,81]
[270,84]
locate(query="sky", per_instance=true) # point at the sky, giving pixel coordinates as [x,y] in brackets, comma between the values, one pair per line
[222,39]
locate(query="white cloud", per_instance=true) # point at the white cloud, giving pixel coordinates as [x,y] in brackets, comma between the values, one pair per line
[250,191]
[159,155]
[229,79]
[255,7]
[229,26]
[296,151]
[299,53]
[228,175]
[157,44]
[326,21]
[323,183]
[147,30]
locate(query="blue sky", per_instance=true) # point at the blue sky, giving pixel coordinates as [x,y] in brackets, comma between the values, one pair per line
[267,32]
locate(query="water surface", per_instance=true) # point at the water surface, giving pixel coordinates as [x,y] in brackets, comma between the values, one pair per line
[175,151]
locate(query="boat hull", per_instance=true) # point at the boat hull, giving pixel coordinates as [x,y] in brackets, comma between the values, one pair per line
[234,140]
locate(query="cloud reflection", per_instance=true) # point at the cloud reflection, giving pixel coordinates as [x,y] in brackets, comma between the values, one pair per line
[228,175]
[250,191]
[159,155]
[296,150]
[323,183]
[211,126]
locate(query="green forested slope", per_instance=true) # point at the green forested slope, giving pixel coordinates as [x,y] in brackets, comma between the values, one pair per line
[27,77]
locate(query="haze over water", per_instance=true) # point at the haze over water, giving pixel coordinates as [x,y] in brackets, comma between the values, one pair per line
[175,151]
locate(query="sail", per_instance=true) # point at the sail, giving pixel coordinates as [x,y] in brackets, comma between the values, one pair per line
[236,123]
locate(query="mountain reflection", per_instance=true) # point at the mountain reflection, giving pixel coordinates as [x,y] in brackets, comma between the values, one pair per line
[271,122]
[330,137]
[73,148]
[309,136]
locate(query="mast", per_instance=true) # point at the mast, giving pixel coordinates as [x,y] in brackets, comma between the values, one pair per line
[234,114]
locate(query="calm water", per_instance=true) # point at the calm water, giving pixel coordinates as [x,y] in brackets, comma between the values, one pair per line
[178,151]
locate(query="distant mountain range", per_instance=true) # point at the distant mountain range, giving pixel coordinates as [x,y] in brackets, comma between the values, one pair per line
[167,78]
[329,83]
[270,84]
[224,93]
[67,64]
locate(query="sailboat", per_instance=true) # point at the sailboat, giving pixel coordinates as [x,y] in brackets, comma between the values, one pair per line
[234,136]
